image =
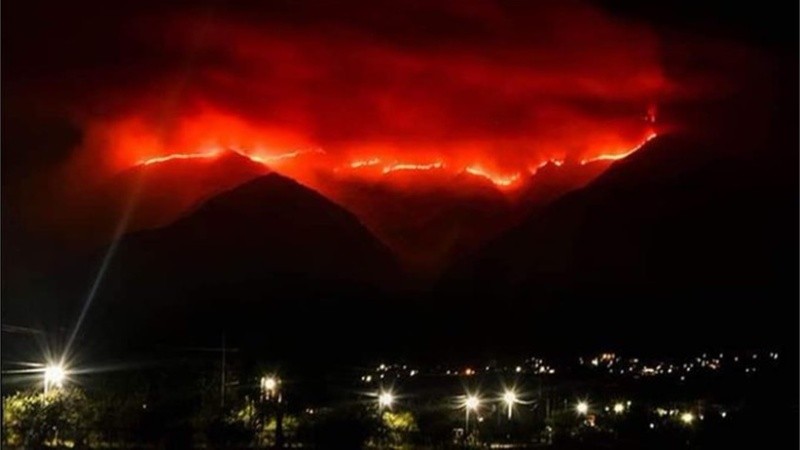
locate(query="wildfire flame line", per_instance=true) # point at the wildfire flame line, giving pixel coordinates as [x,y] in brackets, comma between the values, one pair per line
[365,163]
[406,166]
[499,180]
[618,156]
[265,160]
[160,159]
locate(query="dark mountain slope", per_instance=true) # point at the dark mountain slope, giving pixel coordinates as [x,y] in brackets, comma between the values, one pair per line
[675,237]
[268,259]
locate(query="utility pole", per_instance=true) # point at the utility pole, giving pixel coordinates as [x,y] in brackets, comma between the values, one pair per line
[222,374]
[279,425]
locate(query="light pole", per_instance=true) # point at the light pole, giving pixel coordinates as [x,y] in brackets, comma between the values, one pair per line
[510,398]
[471,403]
[270,386]
[582,408]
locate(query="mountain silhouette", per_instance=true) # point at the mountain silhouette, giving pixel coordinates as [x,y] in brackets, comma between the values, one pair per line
[270,251]
[683,235]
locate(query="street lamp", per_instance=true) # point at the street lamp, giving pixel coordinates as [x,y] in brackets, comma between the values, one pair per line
[619,408]
[54,375]
[687,418]
[269,386]
[385,399]
[471,403]
[582,408]
[510,398]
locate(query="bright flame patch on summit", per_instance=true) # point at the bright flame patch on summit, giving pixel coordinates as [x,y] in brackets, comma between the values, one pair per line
[265,160]
[618,156]
[406,166]
[365,163]
[498,180]
[160,159]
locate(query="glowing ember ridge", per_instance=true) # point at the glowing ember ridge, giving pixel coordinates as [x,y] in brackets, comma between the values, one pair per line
[406,166]
[618,156]
[498,180]
[160,159]
[265,160]
[554,161]
[365,163]
[275,158]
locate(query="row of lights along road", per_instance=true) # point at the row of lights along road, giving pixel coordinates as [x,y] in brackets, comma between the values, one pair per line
[55,374]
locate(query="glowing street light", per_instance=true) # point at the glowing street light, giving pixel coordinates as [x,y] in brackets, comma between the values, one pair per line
[687,418]
[54,375]
[582,408]
[471,403]
[510,398]
[619,408]
[385,399]
[269,386]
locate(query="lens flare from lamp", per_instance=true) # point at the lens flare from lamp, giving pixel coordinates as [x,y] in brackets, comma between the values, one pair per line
[385,399]
[54,376]
[472,402]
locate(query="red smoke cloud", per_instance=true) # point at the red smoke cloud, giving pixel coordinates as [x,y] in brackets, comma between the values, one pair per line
[371,103]
[496,93]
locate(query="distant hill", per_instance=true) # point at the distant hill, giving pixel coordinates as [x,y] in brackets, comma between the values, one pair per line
[431,222]
[672,239]
[266,257]
[160,193]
